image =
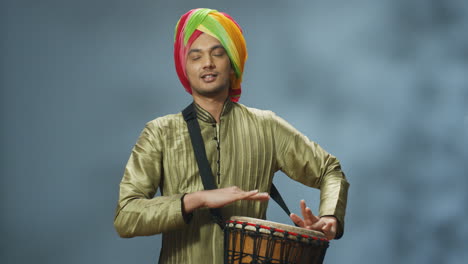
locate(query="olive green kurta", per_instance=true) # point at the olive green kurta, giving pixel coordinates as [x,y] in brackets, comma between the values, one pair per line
[245,149]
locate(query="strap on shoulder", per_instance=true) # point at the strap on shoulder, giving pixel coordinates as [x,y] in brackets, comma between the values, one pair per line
[190,117]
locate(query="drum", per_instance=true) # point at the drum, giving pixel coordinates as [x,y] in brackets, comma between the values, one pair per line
[251,240]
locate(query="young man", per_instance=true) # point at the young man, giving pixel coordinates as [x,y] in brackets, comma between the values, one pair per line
[244,146]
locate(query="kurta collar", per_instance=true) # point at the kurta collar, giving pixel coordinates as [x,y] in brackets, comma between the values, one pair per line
[205,116]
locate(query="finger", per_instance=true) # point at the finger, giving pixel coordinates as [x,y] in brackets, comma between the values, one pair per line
[245,195]
[309,217]
[264,196]
[303,212]
[303,206]
[252,191]
[297,220]
[307,212]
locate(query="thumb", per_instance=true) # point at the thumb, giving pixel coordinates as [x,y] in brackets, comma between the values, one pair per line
[326,228]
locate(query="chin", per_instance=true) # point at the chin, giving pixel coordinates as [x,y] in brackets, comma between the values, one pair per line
[210,92]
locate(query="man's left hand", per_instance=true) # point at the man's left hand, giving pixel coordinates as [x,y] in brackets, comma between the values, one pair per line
[326,224]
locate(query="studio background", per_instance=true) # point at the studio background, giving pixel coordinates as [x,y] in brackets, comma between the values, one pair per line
[382,85]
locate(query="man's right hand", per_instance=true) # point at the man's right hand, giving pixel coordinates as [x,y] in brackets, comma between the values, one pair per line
[220,197]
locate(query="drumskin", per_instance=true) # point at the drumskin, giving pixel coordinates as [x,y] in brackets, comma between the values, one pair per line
[254,144]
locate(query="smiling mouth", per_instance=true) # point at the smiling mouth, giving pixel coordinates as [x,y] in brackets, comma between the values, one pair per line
[209,77]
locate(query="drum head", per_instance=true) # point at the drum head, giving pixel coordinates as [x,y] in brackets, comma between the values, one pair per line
[293,231]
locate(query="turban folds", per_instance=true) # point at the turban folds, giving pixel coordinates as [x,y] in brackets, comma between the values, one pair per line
[218,25]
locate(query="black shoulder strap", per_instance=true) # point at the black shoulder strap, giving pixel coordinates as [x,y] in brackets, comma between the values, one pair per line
[274,193]
[190,116]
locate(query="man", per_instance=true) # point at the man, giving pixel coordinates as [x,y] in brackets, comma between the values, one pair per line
[244,147]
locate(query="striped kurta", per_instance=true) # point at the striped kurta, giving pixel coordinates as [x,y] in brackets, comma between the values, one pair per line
[244,149]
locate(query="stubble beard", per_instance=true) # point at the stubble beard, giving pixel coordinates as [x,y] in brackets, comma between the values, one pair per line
[212,92]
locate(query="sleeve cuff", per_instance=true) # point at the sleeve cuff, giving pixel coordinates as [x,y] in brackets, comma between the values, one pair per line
[187,217]
[176,219]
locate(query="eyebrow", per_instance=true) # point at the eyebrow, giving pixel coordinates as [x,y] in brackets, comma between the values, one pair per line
[210,49]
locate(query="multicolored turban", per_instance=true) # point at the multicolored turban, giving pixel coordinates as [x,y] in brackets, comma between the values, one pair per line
[218,25]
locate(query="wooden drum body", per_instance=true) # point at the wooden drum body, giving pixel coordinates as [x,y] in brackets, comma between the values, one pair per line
[256,241]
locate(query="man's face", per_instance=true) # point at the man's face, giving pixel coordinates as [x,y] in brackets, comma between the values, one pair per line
[208,67]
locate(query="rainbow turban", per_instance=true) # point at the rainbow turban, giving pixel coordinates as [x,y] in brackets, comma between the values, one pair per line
[218,25]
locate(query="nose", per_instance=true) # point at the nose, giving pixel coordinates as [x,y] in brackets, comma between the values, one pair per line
[208,63]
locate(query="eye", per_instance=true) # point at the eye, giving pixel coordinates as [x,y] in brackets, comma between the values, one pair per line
[218,52]
[195,58]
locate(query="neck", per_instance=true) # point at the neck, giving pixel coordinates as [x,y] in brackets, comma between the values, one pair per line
[214,105]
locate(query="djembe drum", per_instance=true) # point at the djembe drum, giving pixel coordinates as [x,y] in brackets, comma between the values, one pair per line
[256,241]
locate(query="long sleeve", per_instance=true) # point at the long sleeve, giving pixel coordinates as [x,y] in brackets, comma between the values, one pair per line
[306,162]
[138,212]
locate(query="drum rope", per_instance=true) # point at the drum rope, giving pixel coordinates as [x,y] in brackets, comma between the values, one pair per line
[268,245]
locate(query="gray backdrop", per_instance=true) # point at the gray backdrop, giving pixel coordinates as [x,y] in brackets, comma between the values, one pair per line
[383,85]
